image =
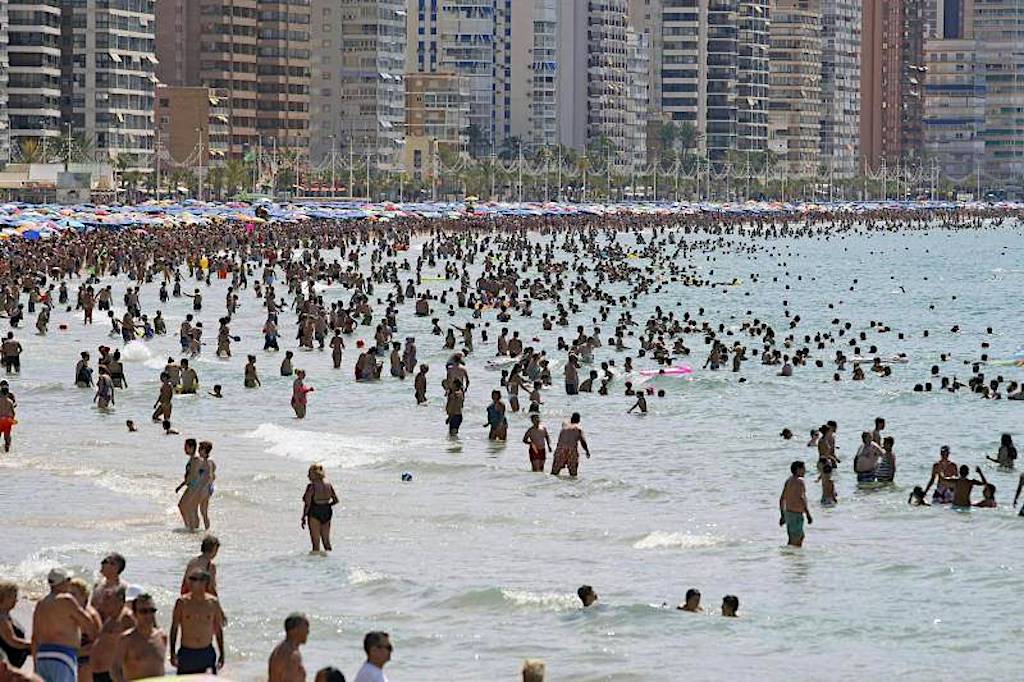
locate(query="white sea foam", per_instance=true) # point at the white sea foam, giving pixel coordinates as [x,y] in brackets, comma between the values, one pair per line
[136,351]
[547,601]
[330,449]
[365,576]
[663,540]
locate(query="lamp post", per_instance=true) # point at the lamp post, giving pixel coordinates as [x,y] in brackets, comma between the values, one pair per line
[333,182]
[199,136]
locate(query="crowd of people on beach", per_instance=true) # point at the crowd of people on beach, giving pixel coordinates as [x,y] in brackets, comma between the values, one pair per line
[489,273]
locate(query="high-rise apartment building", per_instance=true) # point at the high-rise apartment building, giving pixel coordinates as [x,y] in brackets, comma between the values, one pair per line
[34,74]
[954,107]
[974,103]
[840,86]
[436,118]
[256,52]
[795,86]
[358,94]
[108,77]
[679,60]
[892,75]
[599,53]
[469,37]
[709,68]
[998,27]
[534,73]
[5,121]
[752,75]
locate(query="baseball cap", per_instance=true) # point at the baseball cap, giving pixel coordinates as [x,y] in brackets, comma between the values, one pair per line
[57,576]
[133,592]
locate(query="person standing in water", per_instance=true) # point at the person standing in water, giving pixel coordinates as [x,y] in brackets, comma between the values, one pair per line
[496,420]
[941,471]
[567,454]
[317,507]
[207,475]
[299,391]
[793,505]
[7,420]
[539,442]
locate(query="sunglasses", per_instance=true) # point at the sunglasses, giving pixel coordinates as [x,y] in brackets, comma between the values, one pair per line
[149,611]
[106,562]
[385,646]
[195,578]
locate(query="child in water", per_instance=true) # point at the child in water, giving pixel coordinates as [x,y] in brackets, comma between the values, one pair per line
[988,497]
[828,487]
[917,498]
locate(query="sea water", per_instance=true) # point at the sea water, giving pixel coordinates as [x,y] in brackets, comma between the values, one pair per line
[473,565]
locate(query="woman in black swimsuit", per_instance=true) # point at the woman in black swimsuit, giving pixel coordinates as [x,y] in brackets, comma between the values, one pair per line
[12,636]
[318,501]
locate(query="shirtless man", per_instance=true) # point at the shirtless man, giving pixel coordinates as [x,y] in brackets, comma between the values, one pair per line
[496,421]
[57,628]
[116,621]
[199,617]
[963,486]
[204,562]
[942,471]
[142,650]
[111,568]
[793,505]
[285,664]
[457,371]
[420,385]
[539,440]
[567,454]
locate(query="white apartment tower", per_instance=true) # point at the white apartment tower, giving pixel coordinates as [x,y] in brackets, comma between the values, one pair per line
[34,74]
[108,77]
[840,86]
[357,100]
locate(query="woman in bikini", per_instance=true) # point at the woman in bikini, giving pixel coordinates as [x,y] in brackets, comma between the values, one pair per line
[318,502]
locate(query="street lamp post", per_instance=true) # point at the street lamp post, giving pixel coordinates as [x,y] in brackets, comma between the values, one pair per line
[334,184]
[199,135]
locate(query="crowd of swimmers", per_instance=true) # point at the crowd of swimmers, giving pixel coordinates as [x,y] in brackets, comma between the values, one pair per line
[874,466]
[286,269]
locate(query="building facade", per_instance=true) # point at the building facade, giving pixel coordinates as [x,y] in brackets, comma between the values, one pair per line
[436,118]
[5,119]
[469,37]
[534,73]
[840,86]
[998,27]
[358,93]
[191,123]
[795,86]
[892,75]
[108,77]
[752,75]
[954,105]
[34,72]
[255,52]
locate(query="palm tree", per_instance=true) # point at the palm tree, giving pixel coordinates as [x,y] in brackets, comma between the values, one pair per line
[33,150]
[236,176]
[83,149]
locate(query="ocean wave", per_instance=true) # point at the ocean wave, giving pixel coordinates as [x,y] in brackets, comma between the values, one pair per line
[663,540]
[500,597]
[329,449]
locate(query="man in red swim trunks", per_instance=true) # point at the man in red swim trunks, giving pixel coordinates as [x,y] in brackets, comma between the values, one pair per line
[567,454]
[6,416]
[539,441]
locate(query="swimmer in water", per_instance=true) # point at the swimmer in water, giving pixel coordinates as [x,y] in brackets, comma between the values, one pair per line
[539,442]
[587,595]
[918,497]
[131,426]
[640,404]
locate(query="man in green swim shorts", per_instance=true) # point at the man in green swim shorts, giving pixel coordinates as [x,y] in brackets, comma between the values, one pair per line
[793,505]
